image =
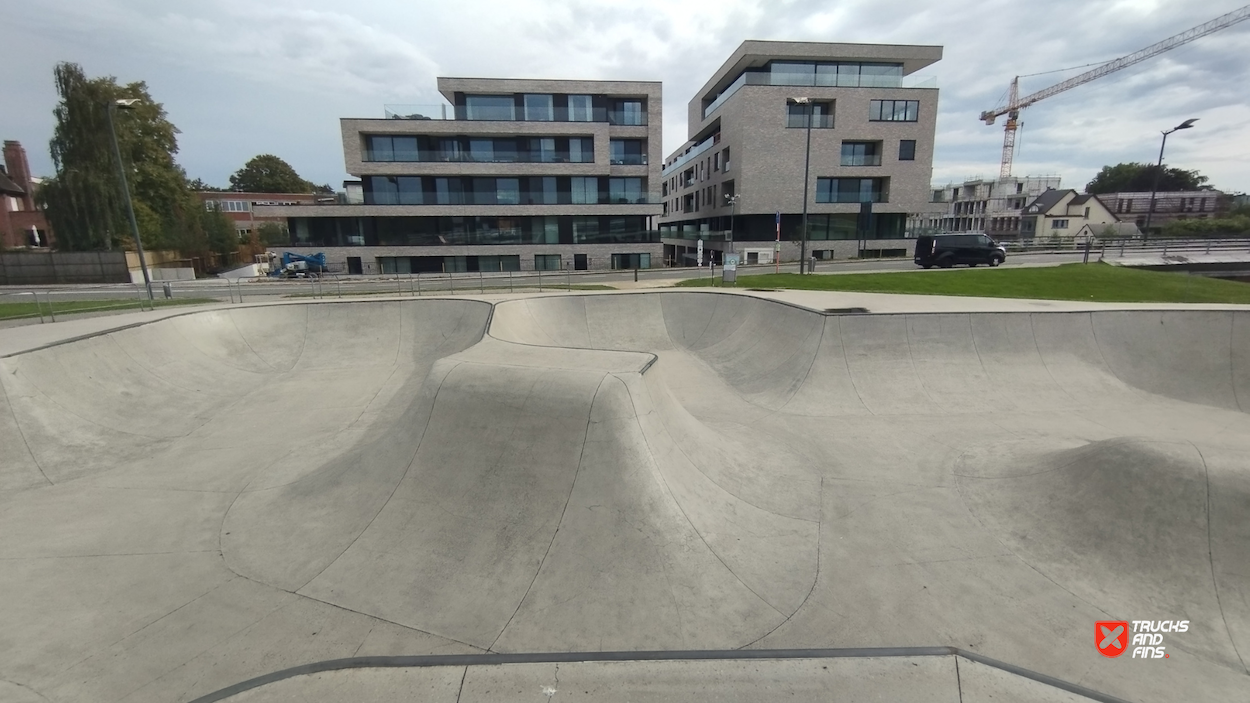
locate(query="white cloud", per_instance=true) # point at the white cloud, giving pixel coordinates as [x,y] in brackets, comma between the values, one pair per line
[239,76]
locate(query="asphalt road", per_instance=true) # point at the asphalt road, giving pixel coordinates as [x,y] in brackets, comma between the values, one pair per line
[334,286]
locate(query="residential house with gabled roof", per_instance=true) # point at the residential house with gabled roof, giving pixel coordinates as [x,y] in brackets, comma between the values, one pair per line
[1060,214]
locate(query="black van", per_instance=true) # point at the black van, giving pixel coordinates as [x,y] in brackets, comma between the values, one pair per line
[946,250]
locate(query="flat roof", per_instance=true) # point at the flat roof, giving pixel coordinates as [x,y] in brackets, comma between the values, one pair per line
[754,53]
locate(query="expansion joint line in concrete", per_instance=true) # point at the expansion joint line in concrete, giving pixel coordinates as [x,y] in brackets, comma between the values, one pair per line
[495,659]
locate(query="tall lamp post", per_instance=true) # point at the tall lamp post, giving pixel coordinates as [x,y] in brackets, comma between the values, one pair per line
[128,104]
[1159,170]
[807,162]
[733,206]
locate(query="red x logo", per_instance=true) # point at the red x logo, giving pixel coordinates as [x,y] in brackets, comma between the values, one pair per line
[1111,637]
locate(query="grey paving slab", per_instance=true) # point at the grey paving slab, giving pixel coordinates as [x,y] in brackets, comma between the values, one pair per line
[191,500]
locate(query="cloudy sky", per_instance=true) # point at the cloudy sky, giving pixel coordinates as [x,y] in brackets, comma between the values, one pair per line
[240,77]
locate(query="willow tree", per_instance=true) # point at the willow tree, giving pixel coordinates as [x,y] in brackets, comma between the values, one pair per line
[84,201]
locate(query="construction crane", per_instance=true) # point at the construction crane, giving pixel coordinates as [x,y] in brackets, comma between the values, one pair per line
[1015,103]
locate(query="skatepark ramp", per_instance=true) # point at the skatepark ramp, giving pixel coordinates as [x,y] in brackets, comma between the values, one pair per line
[208,498]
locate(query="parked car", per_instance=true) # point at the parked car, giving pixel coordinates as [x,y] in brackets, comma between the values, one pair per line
[946,250]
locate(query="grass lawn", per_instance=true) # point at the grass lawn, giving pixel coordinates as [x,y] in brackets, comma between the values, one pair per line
[13,311]
[1094,282]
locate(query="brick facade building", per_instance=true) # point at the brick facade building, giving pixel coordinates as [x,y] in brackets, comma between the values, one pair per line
[22,224]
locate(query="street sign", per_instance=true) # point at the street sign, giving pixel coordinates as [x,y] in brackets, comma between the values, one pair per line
[699,256]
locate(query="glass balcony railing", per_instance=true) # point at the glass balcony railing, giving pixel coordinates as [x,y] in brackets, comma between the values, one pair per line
[501,198]
[829,80]
[494,113]
[691,155]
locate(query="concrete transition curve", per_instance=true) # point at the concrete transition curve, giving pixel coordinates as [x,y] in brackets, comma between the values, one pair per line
[195,502]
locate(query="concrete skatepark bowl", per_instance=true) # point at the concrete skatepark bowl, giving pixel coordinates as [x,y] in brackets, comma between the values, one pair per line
[198,501]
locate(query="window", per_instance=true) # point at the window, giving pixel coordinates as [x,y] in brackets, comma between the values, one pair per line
[893,110]
[543,150]
[581,150]
[725,159]
[547,262]
[585,190]
[821,115]
[631,261]
[539,108]
[629,152]
[379,148]
[507,191]
[852,190]
[625,190]
[585,229]
[861,153]
[1058,224]
[546,230]
[581,108]
[489,107]
[907,150]
[627,112]
[409,190]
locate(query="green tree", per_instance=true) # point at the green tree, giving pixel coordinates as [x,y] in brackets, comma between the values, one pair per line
[85,201]
[220,235]
[1138,178]
[267,173]
[272,234]
[200,186]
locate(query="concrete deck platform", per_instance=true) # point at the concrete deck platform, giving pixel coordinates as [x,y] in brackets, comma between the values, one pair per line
[194,499]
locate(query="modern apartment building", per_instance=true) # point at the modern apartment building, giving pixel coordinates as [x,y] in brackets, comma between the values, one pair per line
[871,123]
[990,206]
[509,175]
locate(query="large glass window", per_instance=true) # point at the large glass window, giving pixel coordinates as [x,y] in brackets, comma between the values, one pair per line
[861,153]
[893,110]
[627,112]
[379,148]
[787,73]
[489,107]
[852,190]
[507,191]
[581,108]
[631,261]
[406,148]
[546,230]
[625,190]
[409,190]
[585,190]
[880,75]
[381,190]
[631,152]
[585,230]
[547,262]
[907,150]
[482,150]
[543,150]
[821,115]
[539,108]
[581,150]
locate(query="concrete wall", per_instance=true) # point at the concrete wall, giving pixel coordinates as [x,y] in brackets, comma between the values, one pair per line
[42,268]
[599,255]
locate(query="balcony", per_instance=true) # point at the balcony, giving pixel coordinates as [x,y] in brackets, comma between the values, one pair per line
[824,80]
[445,111]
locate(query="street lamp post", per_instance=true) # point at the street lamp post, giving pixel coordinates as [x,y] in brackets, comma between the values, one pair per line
[1158,170]
[733,206]
[128,104]
[807,162]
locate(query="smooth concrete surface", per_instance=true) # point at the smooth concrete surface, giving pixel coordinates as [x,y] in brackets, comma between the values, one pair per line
[199,500]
